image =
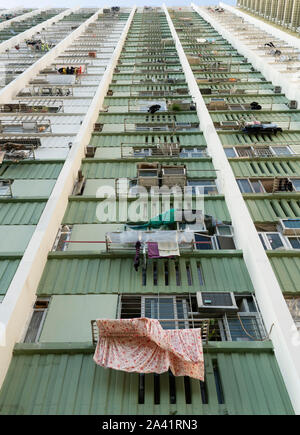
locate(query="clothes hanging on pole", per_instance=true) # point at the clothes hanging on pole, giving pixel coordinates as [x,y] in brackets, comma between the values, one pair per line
[137,255]
[141,345]
[168,249]
[153,251]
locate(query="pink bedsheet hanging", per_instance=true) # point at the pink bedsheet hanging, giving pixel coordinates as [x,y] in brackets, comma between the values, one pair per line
[142,345]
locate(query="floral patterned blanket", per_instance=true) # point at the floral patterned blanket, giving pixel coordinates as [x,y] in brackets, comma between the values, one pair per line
[142,345]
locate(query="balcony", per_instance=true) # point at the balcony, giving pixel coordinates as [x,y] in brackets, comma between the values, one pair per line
[26,124]
[220,323]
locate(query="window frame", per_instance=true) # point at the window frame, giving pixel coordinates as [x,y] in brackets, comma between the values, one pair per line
[266,243]
[194,187]
[176,320]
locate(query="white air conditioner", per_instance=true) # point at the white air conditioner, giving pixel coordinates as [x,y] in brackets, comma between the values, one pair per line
[289,227]
[216,301]
[229,123]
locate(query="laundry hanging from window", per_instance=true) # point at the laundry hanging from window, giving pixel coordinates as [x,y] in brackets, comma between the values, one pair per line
[141,345]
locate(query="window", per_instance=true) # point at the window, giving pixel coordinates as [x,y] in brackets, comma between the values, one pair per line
[164,308]
[237,328]
[245,186]
[294,307]
[291,223]
[296,183]
[295,242]
[230,152]
[182,311]
[250,186]
[248,325]
[281,151]
[203,242]
[192,152]
[257,186]
[37,320]
[5,189]
[272,240]
[142,152]
[63,236]
[205,187]
[225,242]
[224,230]
[244,151]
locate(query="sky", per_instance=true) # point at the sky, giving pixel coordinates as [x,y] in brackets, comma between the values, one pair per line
[100,3]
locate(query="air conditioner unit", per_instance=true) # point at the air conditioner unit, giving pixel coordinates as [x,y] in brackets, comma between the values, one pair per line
[229,124]
[174,176]
[289,227]
[293,104]
[277,90]
[216,301]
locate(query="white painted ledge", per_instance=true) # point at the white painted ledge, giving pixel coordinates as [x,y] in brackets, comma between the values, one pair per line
[27,34]
[290,83]
[16,308]
[267,289]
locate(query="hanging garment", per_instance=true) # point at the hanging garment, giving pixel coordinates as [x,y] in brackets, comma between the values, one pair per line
[153,251]
[137,255]
[142,345]
[168,249]
[166,218]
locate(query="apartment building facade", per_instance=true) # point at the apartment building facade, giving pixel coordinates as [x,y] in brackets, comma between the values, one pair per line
[162,100]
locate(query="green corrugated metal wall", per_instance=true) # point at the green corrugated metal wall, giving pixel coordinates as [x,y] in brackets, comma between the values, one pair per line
[83,211]
[20,213]
[270,208]
[125,168]
[8,268]
[111,140]
[266,167]
[287,269]
[69,382]
[31,170]
[82,274]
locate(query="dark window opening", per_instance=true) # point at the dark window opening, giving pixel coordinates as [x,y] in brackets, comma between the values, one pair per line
[141,393]
[203,391]
[218,383]
[172,388]
[187,390]
[154,273]
[177,271]
[156,389]
[166,266]
[200,274]
[189,274]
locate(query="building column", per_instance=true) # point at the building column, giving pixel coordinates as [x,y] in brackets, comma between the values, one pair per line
[280,11]
[274,7]
[295,17]
[288,12]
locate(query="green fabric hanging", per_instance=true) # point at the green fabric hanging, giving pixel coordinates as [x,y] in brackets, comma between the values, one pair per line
[166,218]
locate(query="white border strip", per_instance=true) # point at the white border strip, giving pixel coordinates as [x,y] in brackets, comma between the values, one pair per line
[18,301]
[267,290]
